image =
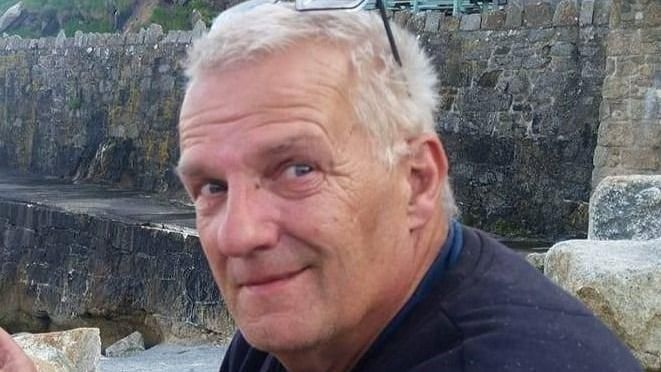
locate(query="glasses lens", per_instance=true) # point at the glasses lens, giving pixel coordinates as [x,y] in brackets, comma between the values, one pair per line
[329,4]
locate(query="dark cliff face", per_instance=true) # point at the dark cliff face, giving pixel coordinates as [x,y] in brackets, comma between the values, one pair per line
[518,114]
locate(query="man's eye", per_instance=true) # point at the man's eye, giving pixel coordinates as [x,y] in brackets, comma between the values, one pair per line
[213,188]
[298,170]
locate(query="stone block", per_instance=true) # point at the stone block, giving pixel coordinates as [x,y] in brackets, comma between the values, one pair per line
[416,23]
[494,20]
[566,13]
[514,16]
[563,49]
[619,281]
[641,160]
[433,21]
[587,12]
[626,207]
[199,29]
[615,134]
[75,350]
[470,22]
[536,260]
[129,345]
[601,12]
[537,15]
[450,23]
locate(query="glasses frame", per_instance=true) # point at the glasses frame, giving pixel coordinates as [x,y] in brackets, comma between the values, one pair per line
[357,6]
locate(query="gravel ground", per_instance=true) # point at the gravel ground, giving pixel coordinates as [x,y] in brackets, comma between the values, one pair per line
[168,358]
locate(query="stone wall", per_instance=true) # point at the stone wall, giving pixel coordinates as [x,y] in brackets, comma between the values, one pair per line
[102,108]
[630,132]
[62,269]
[521,91]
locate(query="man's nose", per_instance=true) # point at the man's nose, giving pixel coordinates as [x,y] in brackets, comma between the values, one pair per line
[249,222]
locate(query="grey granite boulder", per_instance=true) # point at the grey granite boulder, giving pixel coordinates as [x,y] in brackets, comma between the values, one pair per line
[620,281]
[129,345]
[76,350]
[626,207]
[536,260]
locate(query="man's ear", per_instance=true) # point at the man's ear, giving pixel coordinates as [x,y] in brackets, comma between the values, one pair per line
[428,169]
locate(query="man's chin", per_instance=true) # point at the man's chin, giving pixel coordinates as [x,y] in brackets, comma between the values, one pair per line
[282,337]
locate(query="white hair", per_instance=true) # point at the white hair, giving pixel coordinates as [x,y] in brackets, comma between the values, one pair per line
[392,102]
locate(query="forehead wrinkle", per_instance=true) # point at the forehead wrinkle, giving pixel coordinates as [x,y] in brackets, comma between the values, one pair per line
[274,146]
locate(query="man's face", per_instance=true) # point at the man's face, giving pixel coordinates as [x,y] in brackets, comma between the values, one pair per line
[304,230]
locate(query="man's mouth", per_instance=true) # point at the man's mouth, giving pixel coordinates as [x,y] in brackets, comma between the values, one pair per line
[270,280]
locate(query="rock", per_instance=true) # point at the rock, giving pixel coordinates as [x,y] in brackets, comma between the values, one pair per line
[537,15]
[433,21]
[153,34]
[129,345]
[601,12]
[619,281]
[199,29]
[61,39]
[514,16]
[76,350]
[11,15]
[587,10]
[566,13]
[470,22]
[494,20]
[626,207]
[537,260]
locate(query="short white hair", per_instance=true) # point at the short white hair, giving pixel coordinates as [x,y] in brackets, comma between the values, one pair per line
[392,102]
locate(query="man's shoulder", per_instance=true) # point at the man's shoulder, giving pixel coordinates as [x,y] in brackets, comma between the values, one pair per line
[494,311]
[492,276]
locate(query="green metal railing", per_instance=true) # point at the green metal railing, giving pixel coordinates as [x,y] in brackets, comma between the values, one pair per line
[448,6]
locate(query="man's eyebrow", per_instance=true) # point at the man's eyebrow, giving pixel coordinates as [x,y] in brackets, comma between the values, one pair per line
[185,168]
[290,144]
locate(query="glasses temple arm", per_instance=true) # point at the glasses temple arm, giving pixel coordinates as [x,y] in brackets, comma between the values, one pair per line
[382,9]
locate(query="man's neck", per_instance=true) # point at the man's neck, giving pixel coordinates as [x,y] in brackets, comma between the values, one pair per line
[341,353]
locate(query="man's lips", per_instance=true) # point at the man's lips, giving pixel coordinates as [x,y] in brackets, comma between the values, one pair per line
[264,279]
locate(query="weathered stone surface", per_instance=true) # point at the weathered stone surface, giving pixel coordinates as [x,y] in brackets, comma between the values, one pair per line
[538,14]
[629,139]
[11,15]
[587,11]
[514,17]
[82,255]
[537,260]
[494,20]
[199,29]
[433,21]
[601,12]
[129,345]
[626,207]
[77,350]
[566,13]
[619,281]
[470,22]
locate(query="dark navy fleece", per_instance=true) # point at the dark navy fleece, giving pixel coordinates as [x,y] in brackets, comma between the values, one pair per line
[480,308]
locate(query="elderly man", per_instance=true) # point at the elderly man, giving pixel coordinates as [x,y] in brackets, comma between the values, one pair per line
[324,210]
[323,206]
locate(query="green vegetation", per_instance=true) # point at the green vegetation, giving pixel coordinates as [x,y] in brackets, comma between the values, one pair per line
[179,17]
[48,17]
